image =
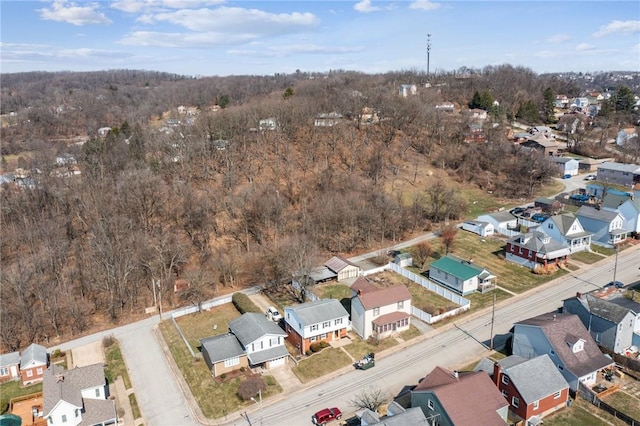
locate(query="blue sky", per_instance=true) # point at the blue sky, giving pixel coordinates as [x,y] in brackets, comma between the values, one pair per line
[221,37]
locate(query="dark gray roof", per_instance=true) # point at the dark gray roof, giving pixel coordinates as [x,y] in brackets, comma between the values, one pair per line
[12,358]
[536,241]
[60,384]
[316,312]
[34,352]
[322,273]
[267,354]
[337,263]
[222,347]
[613,201]
[534,378]
[251,326]
[593,213]
[504,216]
[620,167]
[565,221]
[97,411]
[606,309]
[559,328]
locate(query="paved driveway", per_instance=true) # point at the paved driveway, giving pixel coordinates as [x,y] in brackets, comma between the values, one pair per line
[88,354]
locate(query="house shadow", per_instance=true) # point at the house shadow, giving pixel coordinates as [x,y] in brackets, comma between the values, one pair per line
[403,398]
[501,343]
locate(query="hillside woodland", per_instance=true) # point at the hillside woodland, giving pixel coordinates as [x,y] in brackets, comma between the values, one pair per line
[218,203]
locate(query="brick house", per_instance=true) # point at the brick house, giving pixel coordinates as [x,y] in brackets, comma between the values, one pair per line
[311,322]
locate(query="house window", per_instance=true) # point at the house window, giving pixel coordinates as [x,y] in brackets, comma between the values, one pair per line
[39,370]
[326,324]
[520,250]
[312,338]
[314,327]
[515,402]
[505,394]
[550,225]
[556,395]
[64,418]
[338,321]
[561,368]
[536,405]
[598,337]
[232,361]
[323,336]
[505,380]
[274,341]
[401,304]
[430,404]
[552,352]
[97,392]
[376,311]
[29,373]
[4,371]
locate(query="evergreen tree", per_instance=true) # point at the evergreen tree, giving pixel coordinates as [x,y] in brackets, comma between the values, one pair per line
[547,108]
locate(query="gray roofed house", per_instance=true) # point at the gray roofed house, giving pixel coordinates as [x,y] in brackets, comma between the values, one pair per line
[535,248]
[500,220]
[262,339]
[396,416]
[33,361]
[613,200]
[78,395]
[321,320]
[314,312]
[612,320]
[9,366]
[223,353]
[568,230]
[568,343]
[34,353]
[623,174]
[607,226]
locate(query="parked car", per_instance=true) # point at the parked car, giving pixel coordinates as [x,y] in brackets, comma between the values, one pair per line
[366,362]
[540,217]
[517,210]
[579,197]
[567,176]
[273,314]
[590,177]
[616,284]
[322,417]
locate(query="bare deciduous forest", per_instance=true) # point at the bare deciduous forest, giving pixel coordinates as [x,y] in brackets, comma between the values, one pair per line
[221,203]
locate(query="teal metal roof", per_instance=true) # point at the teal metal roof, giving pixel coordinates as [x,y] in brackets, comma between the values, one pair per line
[457,267]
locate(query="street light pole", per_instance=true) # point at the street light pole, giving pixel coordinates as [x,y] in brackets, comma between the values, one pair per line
[160,298]
[260,403]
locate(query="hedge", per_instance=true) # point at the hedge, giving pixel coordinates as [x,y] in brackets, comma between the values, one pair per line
[243,304]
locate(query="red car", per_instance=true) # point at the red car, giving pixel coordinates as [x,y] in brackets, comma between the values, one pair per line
[324,416]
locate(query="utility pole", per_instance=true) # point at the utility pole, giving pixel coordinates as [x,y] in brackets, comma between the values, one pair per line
[493,314]
[160,298]
[254,400]
[615,266]
[428,52]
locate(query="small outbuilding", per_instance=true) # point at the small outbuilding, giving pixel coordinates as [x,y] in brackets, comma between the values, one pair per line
[484,229]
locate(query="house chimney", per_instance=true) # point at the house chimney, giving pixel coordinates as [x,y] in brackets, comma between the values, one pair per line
[454,373]
[497,372]
[59,378]
[554,317]
[578,295]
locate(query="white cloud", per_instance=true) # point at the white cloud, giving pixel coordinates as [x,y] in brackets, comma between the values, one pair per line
[135,6]
[184,40]
[424,5]
[558,38]
[238,20]
[585,47]
[295,49]
[365,6]
[618,27]
[63,11]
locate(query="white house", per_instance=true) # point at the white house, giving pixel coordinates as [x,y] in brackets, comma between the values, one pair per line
[607,227]
[566,165]
[567,230]
[407,89]
[379,312]
[503,220]
[9,366]
[343,268]
[462,276]
[77,396]
[267,124]
[630,211]
[625,136]
[484,229]
[567,342]
[311,322]
[262,339]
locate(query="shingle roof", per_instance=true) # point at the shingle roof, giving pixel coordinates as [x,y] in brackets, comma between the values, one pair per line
[560,328]
[384,296]
[411,416]
[98,411]
[534,378]
[67,385]
[319,311]
[12,358]
[390,318]
[613,200]
[457,267]
[605,309]
[595,214]
[251,326]
[459,396]
[337,264]
[565,221]
[267,355]
[504,216]
[629,168]
[362,285]
[34,352]
[222,347]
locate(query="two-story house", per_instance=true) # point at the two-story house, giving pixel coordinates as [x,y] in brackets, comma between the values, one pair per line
[460,398]
[33,362]
[262,339]
[535,248]
[379,312]
[567,342]
[622,174]
[322,320]
[606,226]
[627,204]
[77,396]
[612,320]
[567,229]
[533,387]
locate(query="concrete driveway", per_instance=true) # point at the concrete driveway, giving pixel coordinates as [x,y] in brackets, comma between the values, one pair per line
[88,354]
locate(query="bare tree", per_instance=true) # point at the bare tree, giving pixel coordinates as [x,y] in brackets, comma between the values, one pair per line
[371,398]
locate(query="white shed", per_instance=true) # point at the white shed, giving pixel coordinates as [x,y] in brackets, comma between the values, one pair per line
[484,229]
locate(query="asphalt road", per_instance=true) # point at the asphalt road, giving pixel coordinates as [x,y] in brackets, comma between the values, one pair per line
[163,403]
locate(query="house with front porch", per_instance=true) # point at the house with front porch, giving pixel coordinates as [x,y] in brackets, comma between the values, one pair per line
[607,227]
[567,230]
[567,342]
[262,339]
[380,312]
[535,248]
[323,320]
[77,396]
[462,276]
[627,204]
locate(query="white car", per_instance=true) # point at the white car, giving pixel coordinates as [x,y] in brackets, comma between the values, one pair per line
[590,177]
[273,314]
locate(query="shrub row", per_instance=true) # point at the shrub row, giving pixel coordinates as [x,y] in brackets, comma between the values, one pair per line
[243,304]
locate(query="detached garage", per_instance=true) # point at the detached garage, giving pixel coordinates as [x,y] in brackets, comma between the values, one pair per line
[484,229]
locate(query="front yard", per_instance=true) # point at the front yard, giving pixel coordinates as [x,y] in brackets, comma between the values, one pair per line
[321,363]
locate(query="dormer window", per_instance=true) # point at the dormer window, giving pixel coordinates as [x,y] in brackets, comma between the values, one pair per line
[576,346]
[550,225]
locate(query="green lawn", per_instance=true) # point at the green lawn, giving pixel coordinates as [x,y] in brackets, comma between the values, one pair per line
[334,291]
[581,413]
[115,363]
[134,406]
[478,202]
[359,348]
[321,363]
[587,257]
[207,323]
[216,400]
[10,390]
[428,301]
[602,250]
[624,402]
[480,301]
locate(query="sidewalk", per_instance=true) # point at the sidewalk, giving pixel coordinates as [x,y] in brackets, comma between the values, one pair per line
[123,405]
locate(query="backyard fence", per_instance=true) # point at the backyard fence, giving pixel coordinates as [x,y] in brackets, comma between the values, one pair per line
[508,232]
[592,397]
[206,305]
